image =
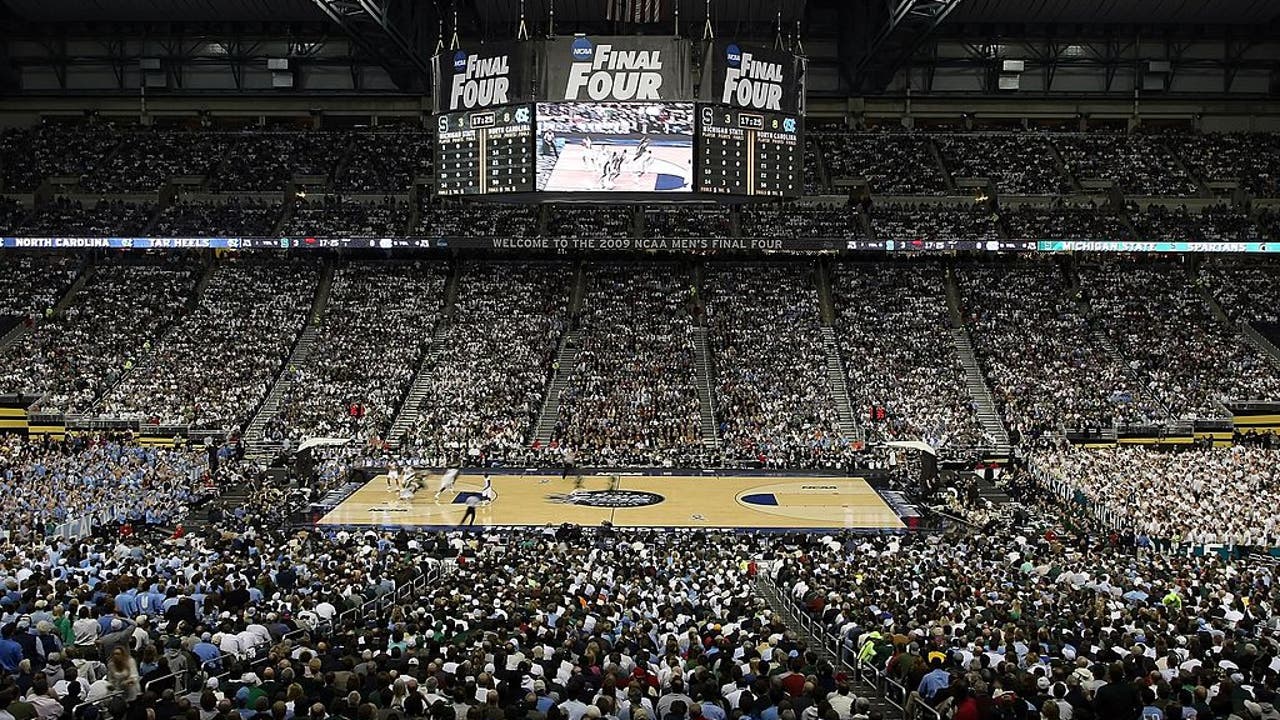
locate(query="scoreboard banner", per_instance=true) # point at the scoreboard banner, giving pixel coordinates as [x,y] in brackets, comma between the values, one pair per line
[614,69]
[753,78]
[487,76]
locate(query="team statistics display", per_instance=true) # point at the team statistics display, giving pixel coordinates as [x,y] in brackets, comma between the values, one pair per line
[485,152]
[749,152]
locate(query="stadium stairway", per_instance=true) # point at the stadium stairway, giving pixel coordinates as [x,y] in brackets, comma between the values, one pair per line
[848,419]
[566,361]
[255,444]
[824,645]
[411,408]
[1262,337]
[706,406]
[978,389]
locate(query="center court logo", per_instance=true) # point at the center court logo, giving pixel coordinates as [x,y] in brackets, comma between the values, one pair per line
[608,498]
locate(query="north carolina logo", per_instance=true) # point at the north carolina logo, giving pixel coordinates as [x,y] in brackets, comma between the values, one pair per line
[733,56]
[581,49]
[459,61]
[608,498]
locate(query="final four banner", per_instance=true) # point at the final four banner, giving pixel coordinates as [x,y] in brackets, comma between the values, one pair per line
[483,76]
[614,69]
[755,78]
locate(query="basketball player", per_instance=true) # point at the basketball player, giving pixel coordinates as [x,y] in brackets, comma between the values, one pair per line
[447,480]
[393,478]
[487,492]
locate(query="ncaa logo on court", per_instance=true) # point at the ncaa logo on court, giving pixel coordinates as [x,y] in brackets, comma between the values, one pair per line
[733,55]
[459,61]
[608,498]
[582,49]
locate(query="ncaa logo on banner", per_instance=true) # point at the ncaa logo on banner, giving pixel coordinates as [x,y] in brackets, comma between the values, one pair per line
[581,50]
[459,61]
[733,56]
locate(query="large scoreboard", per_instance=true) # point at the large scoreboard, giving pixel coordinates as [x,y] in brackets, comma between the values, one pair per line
[484,152]
[749,152]
[596,115]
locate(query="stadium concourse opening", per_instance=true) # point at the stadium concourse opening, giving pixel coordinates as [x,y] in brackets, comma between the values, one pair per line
[434,500]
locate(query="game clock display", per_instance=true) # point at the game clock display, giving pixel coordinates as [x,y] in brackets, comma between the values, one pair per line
[749,152]
[485,152]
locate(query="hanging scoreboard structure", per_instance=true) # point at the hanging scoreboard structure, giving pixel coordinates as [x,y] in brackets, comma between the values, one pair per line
[618,116]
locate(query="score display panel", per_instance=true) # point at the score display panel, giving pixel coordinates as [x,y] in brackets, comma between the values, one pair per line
[485,152]
[750,152]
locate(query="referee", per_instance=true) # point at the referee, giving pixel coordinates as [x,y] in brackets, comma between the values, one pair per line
[469,517]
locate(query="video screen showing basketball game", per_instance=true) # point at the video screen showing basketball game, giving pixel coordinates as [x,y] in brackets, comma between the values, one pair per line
[615,147]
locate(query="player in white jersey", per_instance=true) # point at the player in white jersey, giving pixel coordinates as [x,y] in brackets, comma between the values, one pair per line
[487,493]
[447,480]
[393,478]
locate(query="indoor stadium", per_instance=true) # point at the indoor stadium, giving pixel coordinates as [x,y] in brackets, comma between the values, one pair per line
[639,360]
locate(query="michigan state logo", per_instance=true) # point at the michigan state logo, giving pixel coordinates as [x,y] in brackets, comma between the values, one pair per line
[608,498]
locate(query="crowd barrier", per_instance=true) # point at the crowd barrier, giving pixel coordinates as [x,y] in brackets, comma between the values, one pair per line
[891,691]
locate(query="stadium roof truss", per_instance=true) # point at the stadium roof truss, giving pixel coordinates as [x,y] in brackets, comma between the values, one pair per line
[391,33]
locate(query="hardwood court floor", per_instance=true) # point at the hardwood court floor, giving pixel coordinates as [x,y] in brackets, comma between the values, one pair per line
[737,502]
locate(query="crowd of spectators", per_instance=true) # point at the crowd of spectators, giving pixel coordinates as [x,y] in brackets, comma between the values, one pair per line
[268,161]
[147,159]
[488,385]
[773,401]
[333,216]
[892,163]
[617,221]
[1017,163]
[798,221]
[632,399]
[904,375]
[1137,164]
[1246,291]
[73,357]
[1165,330]
[383,162]
[221,217]
[12,213]
[376,328]
[447,220]
[31,284]
[64,217]
[1199,495]
[927,221]
[681,222]
[1064,221]
[1046,367]
[84,481]
[1251,159]
[1042,622]
[54,150]
[216,365]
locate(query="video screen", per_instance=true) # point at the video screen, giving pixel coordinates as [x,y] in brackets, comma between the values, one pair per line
[615,147]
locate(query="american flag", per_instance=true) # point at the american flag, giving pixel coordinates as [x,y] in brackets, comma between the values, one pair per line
[634,11]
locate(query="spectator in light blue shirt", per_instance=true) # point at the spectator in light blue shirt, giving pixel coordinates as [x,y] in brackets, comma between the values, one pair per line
[935,681]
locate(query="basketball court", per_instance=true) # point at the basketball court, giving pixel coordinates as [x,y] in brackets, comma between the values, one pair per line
[666,501]
[577,169]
